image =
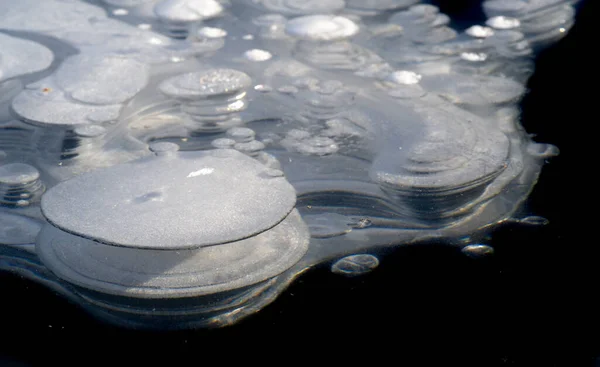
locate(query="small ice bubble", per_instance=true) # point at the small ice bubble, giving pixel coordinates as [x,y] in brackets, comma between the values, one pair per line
[502,22]
[478,251]
[257,55]
[223,143]
[241,134]
[534,220]
[473,56]
[355,265]
[263,88]
[248,37]
[321,28]
[404,77]
[119,12]
[155,41]
[212,32]
[144,26]
[479,31]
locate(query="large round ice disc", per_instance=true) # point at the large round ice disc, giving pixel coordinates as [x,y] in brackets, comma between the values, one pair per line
[183,273]
[179,201]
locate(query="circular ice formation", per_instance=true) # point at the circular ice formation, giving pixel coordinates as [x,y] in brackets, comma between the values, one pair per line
[184,11]
[15,174]
[43,103]
[458,151]
[303,7]
[181,273]
[355,265]
[479,31]
[208,83]
[178,201]
[241,134]
[20,184]
[502,22]
[223,143]
[19,57]
[321,28]
[101,80]
[251,148]
[257,55]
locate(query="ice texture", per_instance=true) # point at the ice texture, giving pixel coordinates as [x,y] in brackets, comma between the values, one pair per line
[201,154]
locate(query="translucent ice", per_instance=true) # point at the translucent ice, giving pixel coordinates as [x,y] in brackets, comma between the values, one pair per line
[201,154]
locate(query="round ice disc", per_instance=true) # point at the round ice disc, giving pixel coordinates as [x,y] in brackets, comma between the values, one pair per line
[205,84]
[183,273]
[16,174]
[179,201]
[321,28]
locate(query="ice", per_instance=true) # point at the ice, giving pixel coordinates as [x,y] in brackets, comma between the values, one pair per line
[204,153]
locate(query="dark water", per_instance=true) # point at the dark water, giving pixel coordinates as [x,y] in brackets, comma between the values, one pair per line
[532,303]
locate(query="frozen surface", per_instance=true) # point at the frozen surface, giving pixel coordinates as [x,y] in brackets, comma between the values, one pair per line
[178,163]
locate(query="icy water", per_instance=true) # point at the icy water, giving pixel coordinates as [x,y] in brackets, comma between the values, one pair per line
[160,182]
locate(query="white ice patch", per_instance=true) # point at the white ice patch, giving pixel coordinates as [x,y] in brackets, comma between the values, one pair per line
[201,172]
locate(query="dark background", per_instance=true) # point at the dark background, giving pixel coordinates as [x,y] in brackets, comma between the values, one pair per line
[533,303]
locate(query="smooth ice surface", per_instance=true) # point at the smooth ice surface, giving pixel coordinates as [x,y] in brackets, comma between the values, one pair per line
[233,196]
[201,154]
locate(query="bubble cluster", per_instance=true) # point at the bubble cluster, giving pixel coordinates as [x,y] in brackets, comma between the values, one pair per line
[541,22]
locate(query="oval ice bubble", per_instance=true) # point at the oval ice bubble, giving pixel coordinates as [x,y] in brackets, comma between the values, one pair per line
[355,265]
[478,251]
[321,28]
